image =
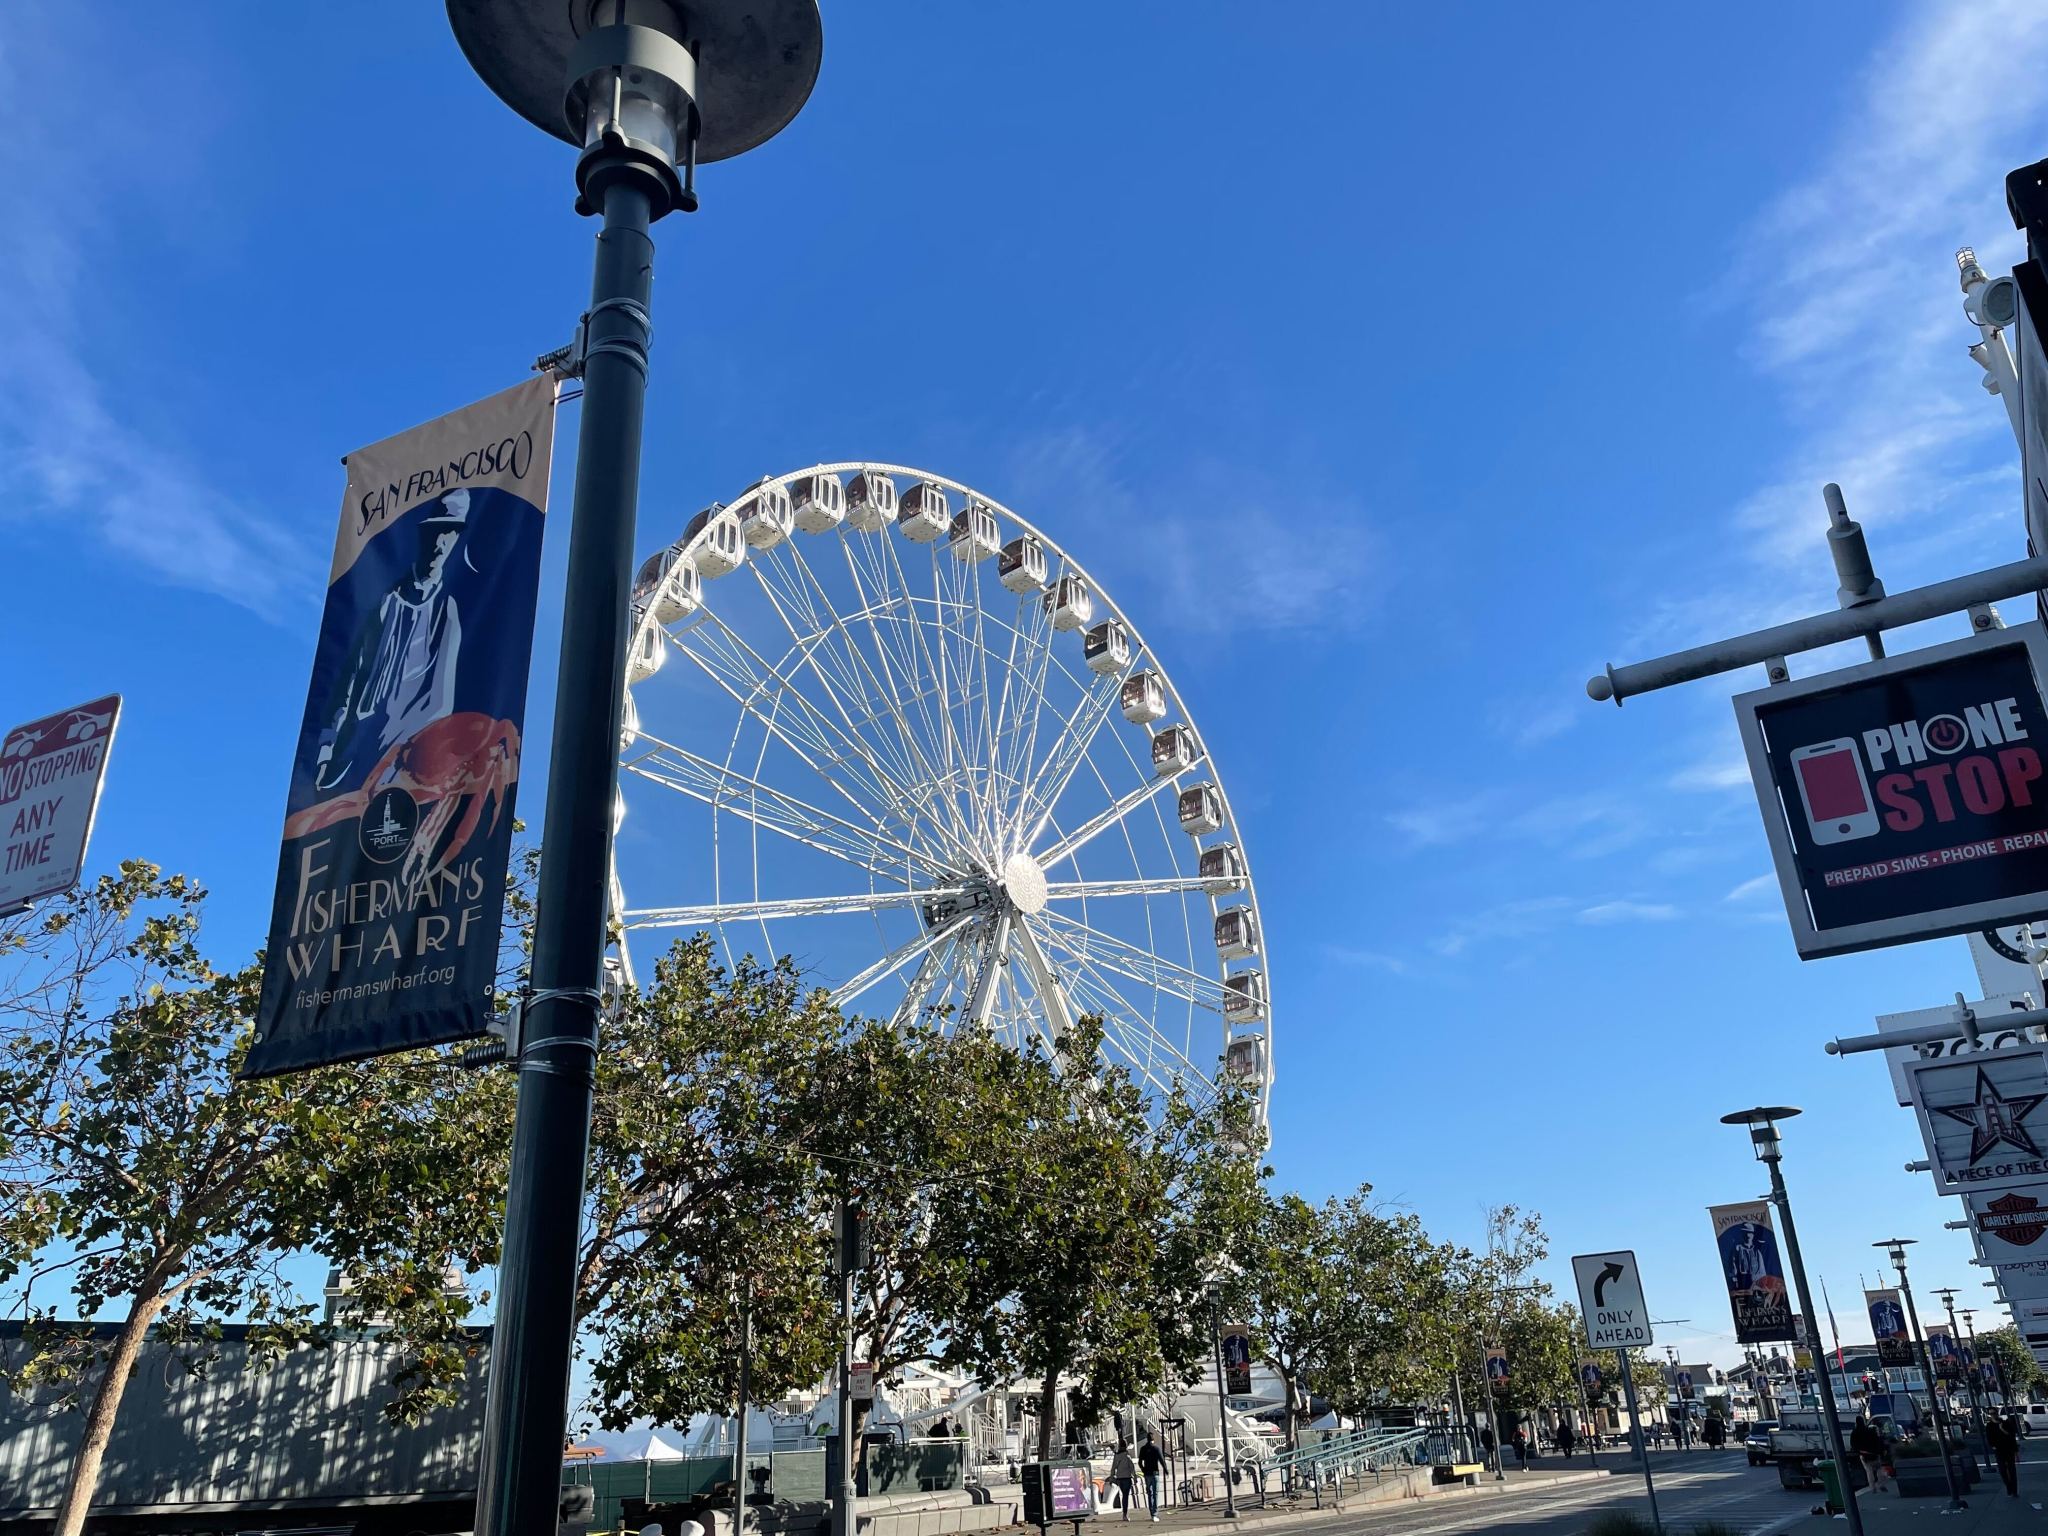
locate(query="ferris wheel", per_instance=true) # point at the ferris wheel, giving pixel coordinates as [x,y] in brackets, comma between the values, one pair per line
[877,722]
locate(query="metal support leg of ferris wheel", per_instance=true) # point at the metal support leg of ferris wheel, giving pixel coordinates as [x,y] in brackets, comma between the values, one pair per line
[1045,982]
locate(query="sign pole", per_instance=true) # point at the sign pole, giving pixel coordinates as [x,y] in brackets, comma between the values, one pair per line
[1827,1381]
[1635,1429]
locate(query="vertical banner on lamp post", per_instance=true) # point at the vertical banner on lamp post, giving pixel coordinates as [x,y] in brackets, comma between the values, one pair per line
[1237,1359]
[398,825]
[1888,1327]
[1496,1368]
[1755,1272]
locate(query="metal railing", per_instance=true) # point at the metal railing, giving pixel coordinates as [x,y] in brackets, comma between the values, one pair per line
[1349,1455]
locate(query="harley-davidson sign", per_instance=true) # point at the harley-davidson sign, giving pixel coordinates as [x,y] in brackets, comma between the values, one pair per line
[2014,1218]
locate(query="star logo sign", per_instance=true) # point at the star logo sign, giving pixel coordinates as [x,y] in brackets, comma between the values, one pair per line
[1995,1119]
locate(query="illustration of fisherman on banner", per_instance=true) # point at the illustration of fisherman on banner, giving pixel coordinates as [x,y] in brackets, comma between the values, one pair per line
[398,823]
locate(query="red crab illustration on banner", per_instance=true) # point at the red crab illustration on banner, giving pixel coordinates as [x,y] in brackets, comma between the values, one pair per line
[454,768]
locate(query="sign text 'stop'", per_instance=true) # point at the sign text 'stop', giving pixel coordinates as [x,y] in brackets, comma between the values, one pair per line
[1905,798]
[50,775]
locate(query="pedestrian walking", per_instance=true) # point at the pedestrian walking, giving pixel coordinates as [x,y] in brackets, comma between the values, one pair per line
[2003,1436]
[1124,1475]
[1149,1463]
[1521,1445]
[1565,1440]
[1486,1446]
[1867,1441]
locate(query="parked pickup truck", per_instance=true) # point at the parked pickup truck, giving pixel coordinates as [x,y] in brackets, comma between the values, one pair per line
[1801,1440]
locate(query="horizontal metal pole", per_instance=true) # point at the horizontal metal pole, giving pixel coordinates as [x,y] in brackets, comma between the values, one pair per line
[1809,634]
[1935,1034]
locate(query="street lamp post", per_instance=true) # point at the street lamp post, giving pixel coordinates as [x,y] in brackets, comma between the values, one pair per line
[1896,1250]
[1947,1296]
[1997,1382]
[636,85]
[1764,1141]
[1222,1396]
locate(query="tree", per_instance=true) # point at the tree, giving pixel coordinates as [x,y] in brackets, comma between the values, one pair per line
[908,1122]
[136,1167]
[2015,1360]
[703,1190]
[1093,1244]
[1296,1291]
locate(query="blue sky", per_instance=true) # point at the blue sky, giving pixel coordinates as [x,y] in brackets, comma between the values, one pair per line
[1396,370]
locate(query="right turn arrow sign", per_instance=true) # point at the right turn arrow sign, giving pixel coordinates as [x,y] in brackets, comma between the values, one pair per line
[1611,1300]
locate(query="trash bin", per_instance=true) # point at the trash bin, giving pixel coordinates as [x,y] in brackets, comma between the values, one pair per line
[1830,1479]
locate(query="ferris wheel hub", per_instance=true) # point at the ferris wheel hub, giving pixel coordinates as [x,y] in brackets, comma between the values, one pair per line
[1024,884]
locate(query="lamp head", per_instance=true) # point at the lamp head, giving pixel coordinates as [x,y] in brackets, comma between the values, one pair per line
[1896,1248]
[659,81]
[1763,1128]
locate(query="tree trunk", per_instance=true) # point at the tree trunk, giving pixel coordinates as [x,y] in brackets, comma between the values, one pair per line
[106,1403]
[1293,1432]
[1048,1399]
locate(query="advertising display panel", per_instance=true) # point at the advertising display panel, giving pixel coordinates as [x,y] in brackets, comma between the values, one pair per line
[1983,1119]
[1904,798]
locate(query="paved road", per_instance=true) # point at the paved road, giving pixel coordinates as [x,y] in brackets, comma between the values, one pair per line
[1692,1487]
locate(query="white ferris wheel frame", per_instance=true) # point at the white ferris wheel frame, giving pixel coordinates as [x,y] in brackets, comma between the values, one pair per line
[1048,987]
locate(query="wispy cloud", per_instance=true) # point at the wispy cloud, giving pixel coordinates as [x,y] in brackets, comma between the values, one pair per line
[1857,314]
[1716,773]
[1367,959]
[1604,913]
[70,454]
[1577,825]
[1216,555]
[1757,885]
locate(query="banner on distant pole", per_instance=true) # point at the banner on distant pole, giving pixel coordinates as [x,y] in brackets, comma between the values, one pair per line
[1755,1273]
[1589,1374]
[1496,1367]
[1888,1327]
[1237,1359]
[398,825]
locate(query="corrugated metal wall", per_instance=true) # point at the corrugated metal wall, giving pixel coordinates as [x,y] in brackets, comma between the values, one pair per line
[311,1427]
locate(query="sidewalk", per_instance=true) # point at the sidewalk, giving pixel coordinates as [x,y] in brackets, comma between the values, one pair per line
[1990,1512]
[1358,1503]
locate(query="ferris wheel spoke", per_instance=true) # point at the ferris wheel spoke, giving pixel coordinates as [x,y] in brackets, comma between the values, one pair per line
[1036,667]
[910,1008]
[949,745]
[758,689]
[1071,751]
[805,593]
[1139,964]
[899,957]
[1090,890]
[1143,1047]
[877,601]
[725,788]
[714,913]
[1109,816]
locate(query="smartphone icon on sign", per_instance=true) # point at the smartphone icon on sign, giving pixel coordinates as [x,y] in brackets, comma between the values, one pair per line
[1834,791]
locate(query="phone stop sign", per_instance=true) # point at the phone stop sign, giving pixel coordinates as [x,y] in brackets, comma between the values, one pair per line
[1907,798]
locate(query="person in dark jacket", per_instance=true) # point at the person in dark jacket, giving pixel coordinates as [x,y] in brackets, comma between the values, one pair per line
[1867,1441]
[1149,1464]
[2003,1436]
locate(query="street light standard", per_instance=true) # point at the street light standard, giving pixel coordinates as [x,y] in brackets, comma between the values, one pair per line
[636,85]
[1997,1382]
[1896,1250]
[1214,1287]
[1763,1137]
[1947,1294]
